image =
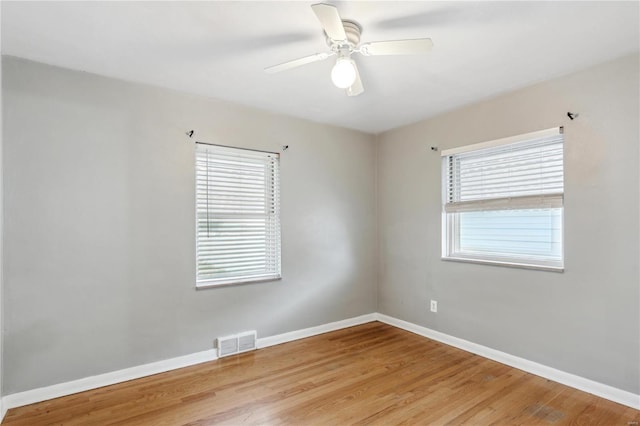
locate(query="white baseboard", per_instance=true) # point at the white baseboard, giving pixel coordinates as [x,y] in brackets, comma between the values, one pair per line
[55,391]
[604,391]
[313,331]
[63,389]
[93,382]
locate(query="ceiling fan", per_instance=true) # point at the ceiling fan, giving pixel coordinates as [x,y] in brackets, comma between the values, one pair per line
[343,39]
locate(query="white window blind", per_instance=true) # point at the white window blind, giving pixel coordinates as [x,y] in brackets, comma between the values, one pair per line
[238,215]
[503,201]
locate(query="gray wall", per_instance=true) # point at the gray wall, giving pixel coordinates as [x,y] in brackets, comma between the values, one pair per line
[99,214]
[586,320]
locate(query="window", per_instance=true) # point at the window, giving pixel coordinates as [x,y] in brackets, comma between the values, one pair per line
[237,215]
[503,201]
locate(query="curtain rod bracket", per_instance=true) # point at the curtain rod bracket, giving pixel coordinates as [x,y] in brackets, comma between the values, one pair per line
[573,115]
[434,148]
[189,133]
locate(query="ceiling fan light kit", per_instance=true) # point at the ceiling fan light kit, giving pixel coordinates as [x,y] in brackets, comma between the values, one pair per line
[343,73]
[343,39]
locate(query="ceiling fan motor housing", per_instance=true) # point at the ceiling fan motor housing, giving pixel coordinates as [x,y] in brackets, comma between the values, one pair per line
[353,31]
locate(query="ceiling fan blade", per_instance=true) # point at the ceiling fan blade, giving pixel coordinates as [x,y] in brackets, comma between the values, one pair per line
[297,62]
[356,88]
[397,47]
[330,20]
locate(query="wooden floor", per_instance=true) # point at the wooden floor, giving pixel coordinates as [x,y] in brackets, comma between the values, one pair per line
[370,374]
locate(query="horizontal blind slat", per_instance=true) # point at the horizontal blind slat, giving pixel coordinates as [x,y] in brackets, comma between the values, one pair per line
[477,175]
[508,203]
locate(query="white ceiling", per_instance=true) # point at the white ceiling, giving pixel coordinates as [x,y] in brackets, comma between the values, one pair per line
[219,49]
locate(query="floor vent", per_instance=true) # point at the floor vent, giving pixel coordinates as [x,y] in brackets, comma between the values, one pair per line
[237,343]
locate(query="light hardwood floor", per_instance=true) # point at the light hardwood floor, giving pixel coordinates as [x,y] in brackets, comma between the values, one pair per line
[369,374]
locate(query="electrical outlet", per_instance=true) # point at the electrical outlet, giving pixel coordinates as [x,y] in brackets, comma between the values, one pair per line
[434,306]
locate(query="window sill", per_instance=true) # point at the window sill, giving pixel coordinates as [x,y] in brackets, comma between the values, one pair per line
[505,264]
[213,284]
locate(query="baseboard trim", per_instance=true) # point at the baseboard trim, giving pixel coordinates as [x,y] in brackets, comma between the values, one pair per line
[587,385]
[63,389]
[68,388]
[313,331]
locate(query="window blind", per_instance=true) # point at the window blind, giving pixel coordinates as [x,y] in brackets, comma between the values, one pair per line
[238,215]
[513,176]
[503,201]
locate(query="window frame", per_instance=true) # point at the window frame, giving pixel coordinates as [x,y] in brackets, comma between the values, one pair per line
[272,219]
[451,220]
